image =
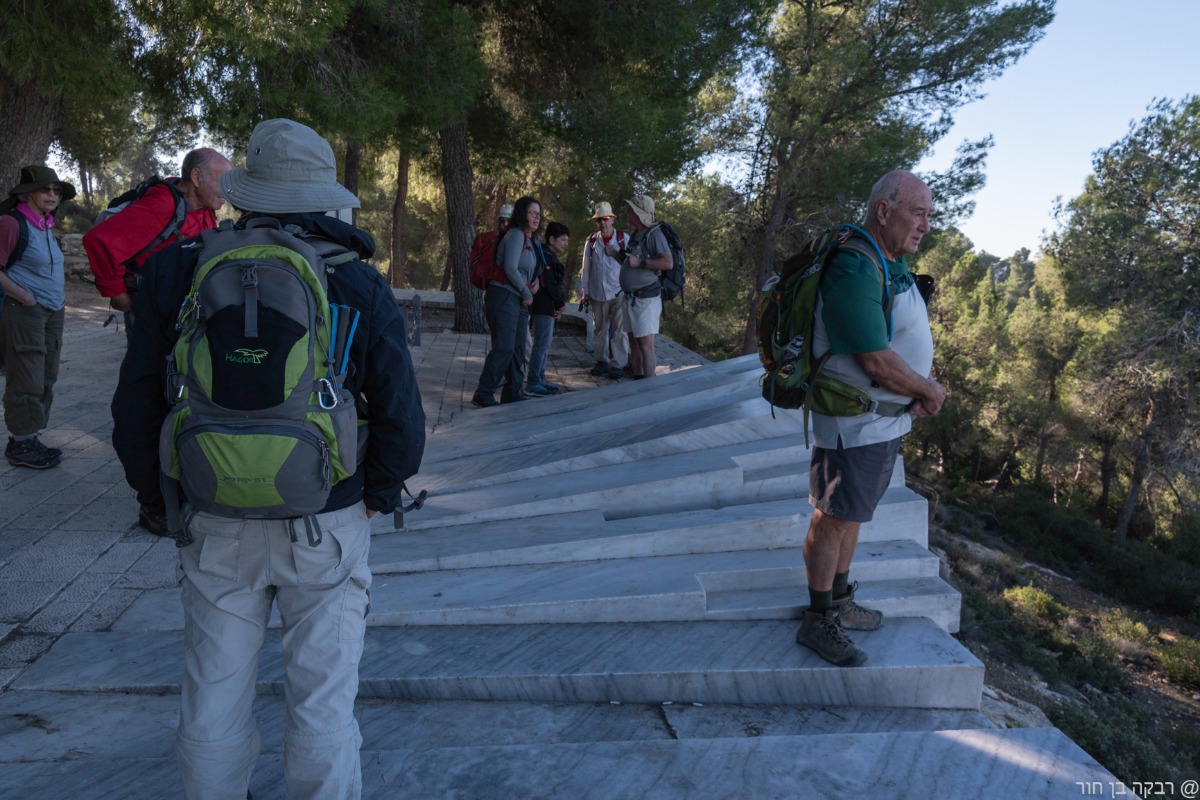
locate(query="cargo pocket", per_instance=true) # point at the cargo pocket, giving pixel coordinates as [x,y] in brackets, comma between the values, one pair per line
[356,605]
[216,546]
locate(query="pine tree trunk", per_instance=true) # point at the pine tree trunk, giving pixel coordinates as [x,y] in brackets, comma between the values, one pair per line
[396,269]
[29,121]
[1137,480]
[460,227]
[766,263]
[354,152]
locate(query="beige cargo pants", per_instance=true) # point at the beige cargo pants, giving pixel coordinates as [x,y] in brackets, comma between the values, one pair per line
[232,572]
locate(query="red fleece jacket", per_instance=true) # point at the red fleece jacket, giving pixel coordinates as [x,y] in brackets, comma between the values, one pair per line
[111,243]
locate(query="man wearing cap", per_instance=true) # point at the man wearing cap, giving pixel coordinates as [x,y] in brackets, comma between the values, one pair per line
[601,287]
[648,255]
[118,247]
[31,276]
[234,569]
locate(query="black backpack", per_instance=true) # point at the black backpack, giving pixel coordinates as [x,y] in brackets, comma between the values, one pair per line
[673,278]
[22,238]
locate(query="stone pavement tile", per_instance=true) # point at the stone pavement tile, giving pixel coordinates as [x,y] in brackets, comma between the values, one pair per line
[21,649]
[13,541]
[119,558]
[42,514]
[19,600]
[103,514]
[60,556]
[88,587]
[81,493]
[5,630]
[155,569]
[56,617]
[71,471]
[106,610]
[122,490]
[7,676]
[17,503]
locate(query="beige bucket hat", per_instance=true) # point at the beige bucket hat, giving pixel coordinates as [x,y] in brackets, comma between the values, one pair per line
[643,206]
[603,210]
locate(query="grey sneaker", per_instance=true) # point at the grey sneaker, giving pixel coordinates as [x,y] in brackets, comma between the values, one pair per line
[601,368]
[30,453]
[854,617]
[822,634]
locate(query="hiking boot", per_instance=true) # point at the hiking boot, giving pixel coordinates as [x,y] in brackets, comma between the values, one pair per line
[30,453]
[538,390]
[854,617]
[601,368]
[483,400]
[615,373]
[822,634]
[153,521]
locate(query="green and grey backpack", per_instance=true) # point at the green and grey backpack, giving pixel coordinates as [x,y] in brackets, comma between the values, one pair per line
[260,425]
[785,321]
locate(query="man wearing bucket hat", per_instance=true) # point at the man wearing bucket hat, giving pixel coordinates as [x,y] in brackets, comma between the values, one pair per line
[31,275]
[234,568]
[601,287]
[648,255]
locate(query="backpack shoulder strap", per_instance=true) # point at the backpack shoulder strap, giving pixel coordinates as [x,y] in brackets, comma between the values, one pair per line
[861,242]
[22,237]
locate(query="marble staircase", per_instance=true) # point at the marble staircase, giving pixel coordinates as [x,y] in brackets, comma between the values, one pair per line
[599,600]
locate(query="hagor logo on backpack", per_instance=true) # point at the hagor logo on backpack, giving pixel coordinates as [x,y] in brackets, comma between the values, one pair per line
[247,356]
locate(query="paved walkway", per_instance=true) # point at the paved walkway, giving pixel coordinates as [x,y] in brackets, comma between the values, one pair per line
[71,555]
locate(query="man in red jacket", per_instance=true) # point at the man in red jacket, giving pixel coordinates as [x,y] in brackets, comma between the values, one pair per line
[114,246]
[118,246]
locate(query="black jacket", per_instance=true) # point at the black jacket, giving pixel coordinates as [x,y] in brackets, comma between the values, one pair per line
[382,374]
[550,296]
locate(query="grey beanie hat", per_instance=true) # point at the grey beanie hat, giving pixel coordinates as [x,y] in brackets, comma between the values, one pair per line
[290,168]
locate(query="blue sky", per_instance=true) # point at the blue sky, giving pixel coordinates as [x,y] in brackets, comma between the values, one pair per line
[1099,66]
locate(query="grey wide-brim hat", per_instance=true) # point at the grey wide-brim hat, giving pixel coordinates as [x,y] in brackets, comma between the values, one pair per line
[289,169]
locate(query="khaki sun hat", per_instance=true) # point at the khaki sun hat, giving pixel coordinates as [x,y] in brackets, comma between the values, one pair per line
[289,169]
[643,206]
[602,210]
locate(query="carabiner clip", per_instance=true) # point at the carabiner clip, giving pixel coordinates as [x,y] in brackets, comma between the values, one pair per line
[327,391]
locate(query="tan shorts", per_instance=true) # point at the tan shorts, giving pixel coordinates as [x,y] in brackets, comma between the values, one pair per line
[641,315]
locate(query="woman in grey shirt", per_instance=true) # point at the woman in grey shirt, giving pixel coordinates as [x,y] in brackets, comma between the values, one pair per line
[506,306]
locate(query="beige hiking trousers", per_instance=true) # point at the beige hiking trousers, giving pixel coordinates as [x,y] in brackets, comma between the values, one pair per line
[232,573]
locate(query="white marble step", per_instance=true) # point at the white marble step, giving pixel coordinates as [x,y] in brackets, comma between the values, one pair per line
[618,590]
[914,664]
[572,449]
[588,536]
[1033,764]
[684,481]
[433,750]
[615,590]
[929,597]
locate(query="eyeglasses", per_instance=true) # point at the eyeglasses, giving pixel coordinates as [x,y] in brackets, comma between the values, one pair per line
[51,190]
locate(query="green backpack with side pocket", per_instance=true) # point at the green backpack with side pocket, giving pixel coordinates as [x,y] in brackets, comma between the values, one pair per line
[260,424]
[785,322]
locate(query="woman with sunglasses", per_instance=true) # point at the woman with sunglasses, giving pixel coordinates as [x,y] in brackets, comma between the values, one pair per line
[31,275]
[506,306]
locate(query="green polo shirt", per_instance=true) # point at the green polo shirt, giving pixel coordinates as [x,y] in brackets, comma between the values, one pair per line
[852,296]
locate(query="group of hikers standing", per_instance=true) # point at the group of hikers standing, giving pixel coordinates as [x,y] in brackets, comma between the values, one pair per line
[619,282]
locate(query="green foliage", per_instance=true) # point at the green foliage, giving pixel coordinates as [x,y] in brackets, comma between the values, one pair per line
[1038,602]
[1067,541]
[1180,659]
[1122,736]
